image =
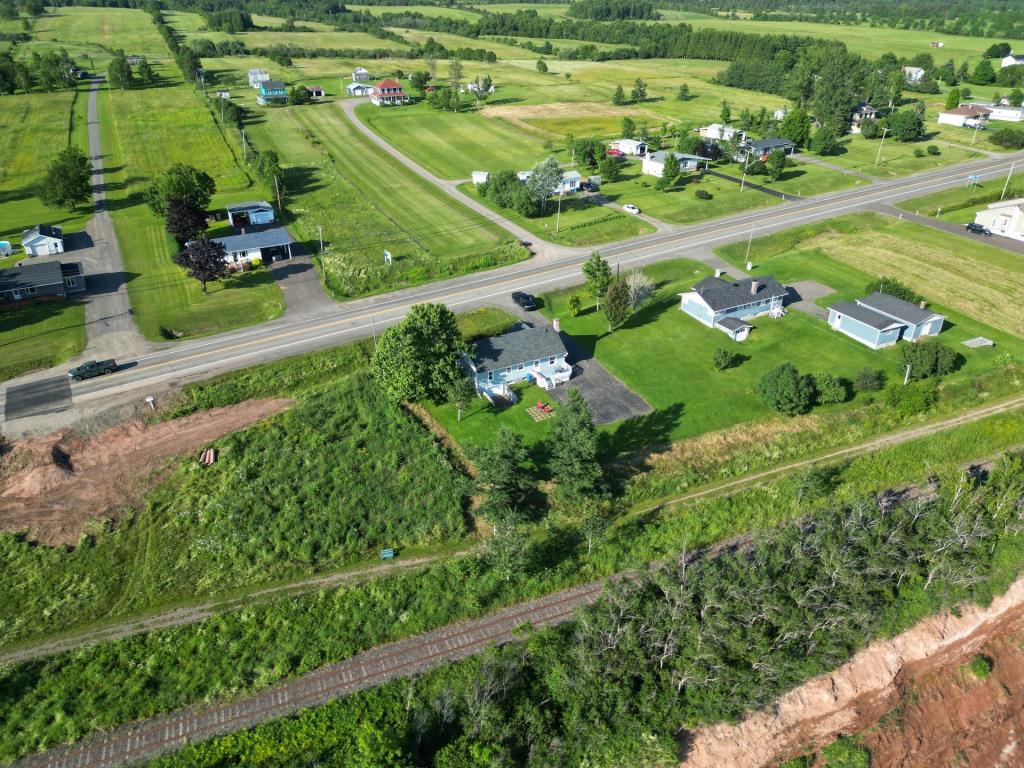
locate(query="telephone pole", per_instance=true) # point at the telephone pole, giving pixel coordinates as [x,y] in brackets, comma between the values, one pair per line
[1007,184]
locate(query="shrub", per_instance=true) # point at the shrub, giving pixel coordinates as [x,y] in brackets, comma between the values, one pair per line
[916,397]
[933,149]
[930,358]
[894,287]
[830,389]
[785,390]
[980,667]
[702,194]
[723,359]
[869,380]
[918,152]
[1008,138]
[575,305]
[845,752]
[869,129]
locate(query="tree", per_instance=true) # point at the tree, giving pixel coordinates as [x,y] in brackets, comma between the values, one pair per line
[953,98]
[184,220]
[454,82]
[641,288]
[68,180]
[419,358]
[628,128]
[824,141]
[545,178]
[829,389]
[8,11]
[507,553]
[869,380]
[785,390]
[34,8]
[870,129]
[639,92]
[573,445]
[669,173]
[617,307]
[796,126]
[180,182]
[204,260]
[930,358]
[683,94]
[501,474]
[595,522]
[725,114]
[983,74]
[997,51]
[461,395]
[419,80]
[776,164]
[574,305]
[119,73]
[618,96]
[1016,97]
[431,64]
[610,168]
[915,398]
[723,359]
[894,85]
[598,276]
[542,66]
[299,95]
[146,74]
[689,144]
[267,167]
[905,125]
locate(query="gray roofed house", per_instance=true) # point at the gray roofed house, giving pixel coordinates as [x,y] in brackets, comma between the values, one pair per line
[761,148]
[866,316]
[255,245]
[42,240]
[722,304]
[881,319]
[49,278]
[532,354]
[654,162]
[896,308]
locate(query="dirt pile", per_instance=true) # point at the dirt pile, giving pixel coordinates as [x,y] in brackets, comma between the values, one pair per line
[50,487]
[864,689]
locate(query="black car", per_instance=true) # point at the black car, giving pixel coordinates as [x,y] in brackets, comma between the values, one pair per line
[524,300]
[977,229]
[91,369]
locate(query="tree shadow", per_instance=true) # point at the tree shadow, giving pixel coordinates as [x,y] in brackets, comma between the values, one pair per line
[37,311]
[640,436]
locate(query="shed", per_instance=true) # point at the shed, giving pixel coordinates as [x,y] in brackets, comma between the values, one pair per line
[480,177]
[42,239]
[631,146]
[256,214]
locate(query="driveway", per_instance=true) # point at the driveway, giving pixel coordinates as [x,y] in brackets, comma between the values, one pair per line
[303,294]
[802,297]
[959,230]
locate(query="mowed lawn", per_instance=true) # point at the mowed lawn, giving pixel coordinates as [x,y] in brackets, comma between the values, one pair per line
[975,282]
[960,204]
[97,32]
[39,334]
[897,158]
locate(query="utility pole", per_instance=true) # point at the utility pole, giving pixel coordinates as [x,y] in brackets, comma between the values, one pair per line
[1007,184]
[373,330]
[906,376]
[222,110]
[977,127]
[245,150]
[750,241]
[277,186]
[558,216]
[746,162]
[878,157]
[320,232]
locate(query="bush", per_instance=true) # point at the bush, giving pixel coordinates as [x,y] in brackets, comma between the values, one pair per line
[980,667]
[845,752]
[830,389]
[930,358]
[724,359]
[894,287]
[933,149]
[916,397]
[575,305]
[869,129]
[869,380]
[702,194]
[1008,138]
[918,152]
[786,391]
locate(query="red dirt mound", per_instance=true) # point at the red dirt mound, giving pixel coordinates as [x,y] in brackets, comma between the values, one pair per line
[50,487]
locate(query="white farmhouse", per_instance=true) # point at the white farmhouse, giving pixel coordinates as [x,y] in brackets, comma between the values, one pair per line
[257,76]
[1004,218]
[1012,60]
[719,132]
[654,163]
[631,146]
[913,75]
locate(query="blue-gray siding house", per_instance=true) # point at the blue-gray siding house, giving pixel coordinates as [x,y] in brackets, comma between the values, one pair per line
[728,305]
[258,213]
[880,320]
[33,281]
[534,354]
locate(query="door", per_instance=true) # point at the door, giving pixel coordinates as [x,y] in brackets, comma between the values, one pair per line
[16,295]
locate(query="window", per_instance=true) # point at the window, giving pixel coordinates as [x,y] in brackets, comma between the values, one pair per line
[490,375]
[69,282]
[551,361]
[521,366]
[31,291]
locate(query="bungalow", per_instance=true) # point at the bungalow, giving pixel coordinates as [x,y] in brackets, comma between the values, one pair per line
[257,76]
[1004,218]
[480,177]
[360,75]
[913,75]
[654,163]
[49,278]
[253,214]
[1002,112]
[388,93]
[359,89]
[880,320]
[532,354]
[272,92]
[725,305]
[315,91]
[571,181]
[761,148]
[966,116]
[42,239]
[264,245]
[1011,61]
[864,111]
[630,146]
[719,132]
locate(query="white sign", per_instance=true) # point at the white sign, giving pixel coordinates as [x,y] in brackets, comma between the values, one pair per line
[387,257]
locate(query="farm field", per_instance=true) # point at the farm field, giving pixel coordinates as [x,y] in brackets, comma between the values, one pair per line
[973,282]
[501,50]
[959,205]
[90,34]
[39,334]
[544,10]
[424,10]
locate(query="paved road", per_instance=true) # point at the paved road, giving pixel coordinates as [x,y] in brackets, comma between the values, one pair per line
[952,228]
[189,361]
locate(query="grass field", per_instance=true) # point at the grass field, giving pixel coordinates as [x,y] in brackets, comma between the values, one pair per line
[424,10]
[959,205]
[94,33]
[39,335]
[897,159]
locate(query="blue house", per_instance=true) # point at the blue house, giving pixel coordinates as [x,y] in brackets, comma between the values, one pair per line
[272,92]
[534,354]
[880,320]
[728,305]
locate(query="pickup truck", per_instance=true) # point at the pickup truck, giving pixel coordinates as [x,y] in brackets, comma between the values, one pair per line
[92,368]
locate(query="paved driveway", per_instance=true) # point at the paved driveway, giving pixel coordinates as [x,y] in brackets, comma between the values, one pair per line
[802,297]
[303,294]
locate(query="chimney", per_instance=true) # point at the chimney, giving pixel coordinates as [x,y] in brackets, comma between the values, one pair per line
[718,272]
[754,285]
[922,304]
[558,326]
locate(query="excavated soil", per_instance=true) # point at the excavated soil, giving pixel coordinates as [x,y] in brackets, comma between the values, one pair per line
[51,487]
[948,718]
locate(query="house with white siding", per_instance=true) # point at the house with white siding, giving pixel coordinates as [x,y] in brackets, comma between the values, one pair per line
[1004,218]
[535,355]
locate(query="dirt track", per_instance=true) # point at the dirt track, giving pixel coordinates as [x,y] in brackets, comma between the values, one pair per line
[52,487]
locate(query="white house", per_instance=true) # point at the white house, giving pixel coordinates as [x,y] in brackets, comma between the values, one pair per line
[265,245]
[1002,112]
[1004,218]
[864,111]
[257,76]
[965,116]
[359,89]
[631,146]
[780,114]
[717,303]
[474,87]
[42,240]
[480,177]
[913,75]
[654,163]
[719,132]
[571,181]
[360,75]
[1012,60]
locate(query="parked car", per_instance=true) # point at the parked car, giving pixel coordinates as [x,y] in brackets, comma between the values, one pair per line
[630,208]
[978,229]
[524,300]
[92,368]
[615,153]
[525,243]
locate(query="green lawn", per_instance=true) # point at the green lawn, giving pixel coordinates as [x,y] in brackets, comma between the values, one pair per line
[897,159]
[91,34]
[959,205]
[580,223]
[39,334]
[423,10]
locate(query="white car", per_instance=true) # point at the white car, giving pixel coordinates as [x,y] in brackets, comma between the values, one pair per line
[630,208]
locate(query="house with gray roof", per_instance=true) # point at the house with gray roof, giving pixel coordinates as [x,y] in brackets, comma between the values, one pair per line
[36,280]
[264,244]
[729,305]
[535,355]
[881,319]
[252,214]
[759,149]
[42,240]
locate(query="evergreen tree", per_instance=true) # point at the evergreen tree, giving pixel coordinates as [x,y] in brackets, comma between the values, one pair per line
[146,74]
[785,390]
[609,168]
[983,74]
[776,164]
[639,92]
[725,114]
[542,66]
[824,141]
[683,94]
[573,446]
[953,98]
[670,172]
[618,96]
[796,126]
[628,128]
[617,304]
